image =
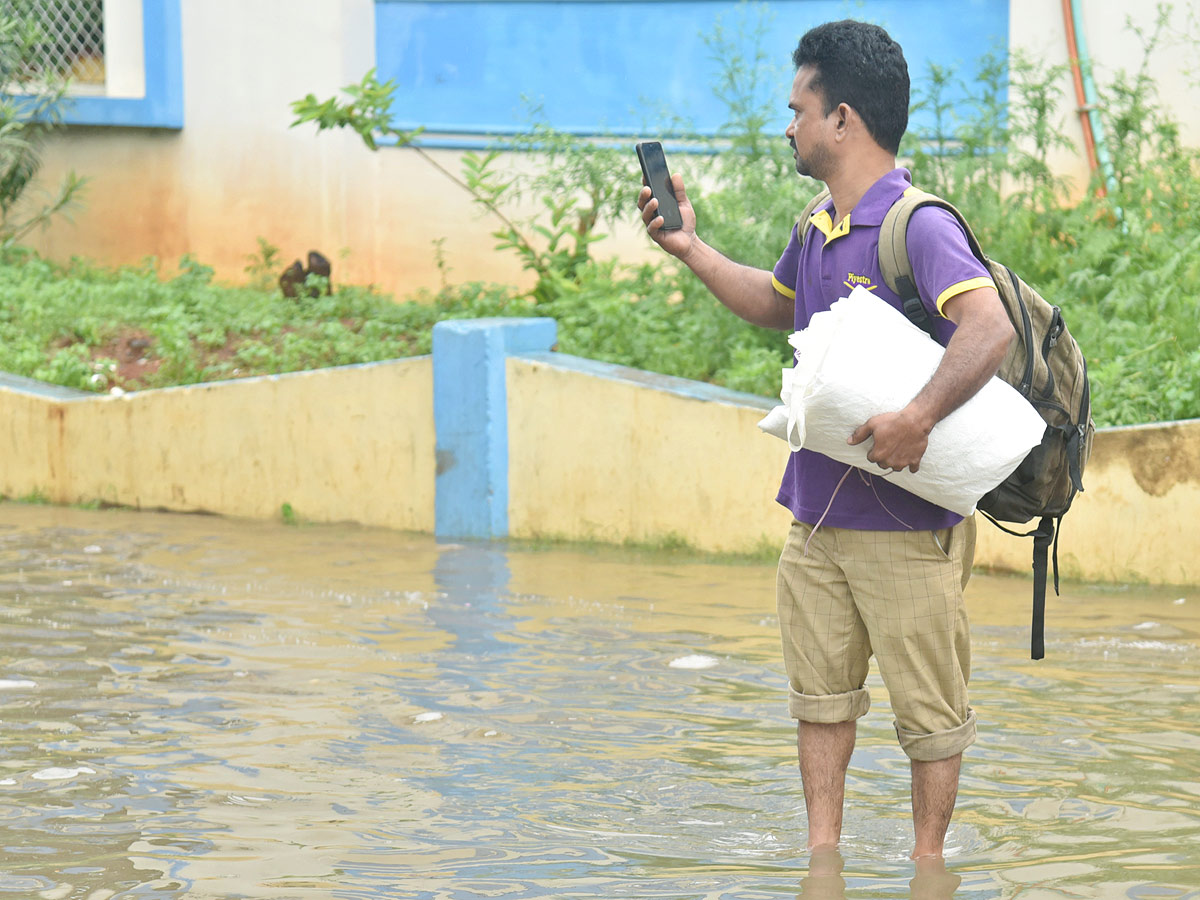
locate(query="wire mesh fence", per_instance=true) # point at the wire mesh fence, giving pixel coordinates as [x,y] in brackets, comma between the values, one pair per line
[62,38]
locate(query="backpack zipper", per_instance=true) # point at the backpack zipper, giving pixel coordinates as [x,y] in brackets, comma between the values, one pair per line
[1052,335]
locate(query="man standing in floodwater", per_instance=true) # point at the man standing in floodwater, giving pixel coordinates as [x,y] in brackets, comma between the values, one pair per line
[868,568]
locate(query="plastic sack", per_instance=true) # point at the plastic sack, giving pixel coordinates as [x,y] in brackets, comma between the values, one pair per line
[863,357]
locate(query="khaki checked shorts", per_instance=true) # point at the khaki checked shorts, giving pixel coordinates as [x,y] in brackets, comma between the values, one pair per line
[894,595]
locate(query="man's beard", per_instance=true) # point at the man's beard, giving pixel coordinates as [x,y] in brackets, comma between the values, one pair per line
[815,165]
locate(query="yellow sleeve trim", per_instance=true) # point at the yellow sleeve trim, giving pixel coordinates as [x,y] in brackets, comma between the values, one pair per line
[783,288]
[961,288]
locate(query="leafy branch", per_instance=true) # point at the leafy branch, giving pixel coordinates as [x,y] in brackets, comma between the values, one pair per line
[554,252]
[368,113]
[30,109]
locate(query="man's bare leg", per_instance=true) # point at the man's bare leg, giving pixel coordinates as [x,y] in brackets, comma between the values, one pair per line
[824,752]
[934,790]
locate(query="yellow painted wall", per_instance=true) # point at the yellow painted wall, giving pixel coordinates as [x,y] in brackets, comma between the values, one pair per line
[1136,519]
[595,453]
[348,444]
[610,459]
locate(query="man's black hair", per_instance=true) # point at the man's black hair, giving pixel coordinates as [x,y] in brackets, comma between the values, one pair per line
[860,65]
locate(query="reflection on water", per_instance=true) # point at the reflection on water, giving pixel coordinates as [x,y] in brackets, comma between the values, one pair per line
[200,708]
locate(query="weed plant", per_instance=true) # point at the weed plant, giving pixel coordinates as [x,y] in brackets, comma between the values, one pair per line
[1121,262]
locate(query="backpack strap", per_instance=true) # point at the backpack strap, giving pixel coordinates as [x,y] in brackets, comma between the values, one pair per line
[1045,537]
[802,223]
[894,263]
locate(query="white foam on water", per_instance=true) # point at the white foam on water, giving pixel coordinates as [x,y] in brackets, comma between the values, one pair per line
[1145,626]
[93,548]
[16,684]
[421,718]
[246,799]
[54,773]
[695,661]
[6,782]
[1118,644]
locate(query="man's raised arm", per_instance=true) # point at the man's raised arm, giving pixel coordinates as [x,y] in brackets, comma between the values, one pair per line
[746,291]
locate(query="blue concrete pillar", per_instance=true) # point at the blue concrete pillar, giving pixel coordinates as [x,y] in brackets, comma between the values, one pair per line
[470,414]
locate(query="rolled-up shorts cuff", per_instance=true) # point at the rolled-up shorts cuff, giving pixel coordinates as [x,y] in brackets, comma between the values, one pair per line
[939,744]
[828,709]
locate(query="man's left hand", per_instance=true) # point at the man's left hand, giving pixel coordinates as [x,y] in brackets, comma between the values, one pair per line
[900,440]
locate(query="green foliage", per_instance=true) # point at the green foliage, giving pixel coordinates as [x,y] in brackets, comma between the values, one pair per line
[1121,262]
[30,109]
[368,112]
[36,497]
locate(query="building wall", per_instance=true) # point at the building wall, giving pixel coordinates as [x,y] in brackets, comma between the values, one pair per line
[237,171]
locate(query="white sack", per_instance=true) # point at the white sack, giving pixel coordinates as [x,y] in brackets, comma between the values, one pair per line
[863,357]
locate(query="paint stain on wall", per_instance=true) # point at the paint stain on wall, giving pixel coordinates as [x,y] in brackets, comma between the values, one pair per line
[1159,458]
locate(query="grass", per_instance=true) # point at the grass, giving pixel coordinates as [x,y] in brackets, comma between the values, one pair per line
[92,328]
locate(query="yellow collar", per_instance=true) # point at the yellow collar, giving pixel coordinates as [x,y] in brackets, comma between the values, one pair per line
[823,222]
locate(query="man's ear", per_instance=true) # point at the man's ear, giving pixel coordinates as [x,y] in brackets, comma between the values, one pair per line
[844,117]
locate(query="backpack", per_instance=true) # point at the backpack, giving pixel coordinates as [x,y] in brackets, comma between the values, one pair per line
[1044,364]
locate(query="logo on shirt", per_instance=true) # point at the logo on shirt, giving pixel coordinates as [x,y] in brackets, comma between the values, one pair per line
[852,281]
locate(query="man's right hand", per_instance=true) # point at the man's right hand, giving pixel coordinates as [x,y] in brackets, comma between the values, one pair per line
[679,242]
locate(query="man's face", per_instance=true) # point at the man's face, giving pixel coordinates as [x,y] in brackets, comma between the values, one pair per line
[809,130]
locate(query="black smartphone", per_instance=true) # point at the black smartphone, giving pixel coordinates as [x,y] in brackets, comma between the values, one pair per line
[658,177]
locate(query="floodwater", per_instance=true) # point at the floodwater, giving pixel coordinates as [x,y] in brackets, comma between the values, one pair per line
[195,707]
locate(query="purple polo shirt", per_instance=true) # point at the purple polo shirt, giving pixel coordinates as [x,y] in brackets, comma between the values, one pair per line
[831,262]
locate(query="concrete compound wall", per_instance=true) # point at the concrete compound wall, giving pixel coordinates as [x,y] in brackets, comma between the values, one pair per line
[322,442]
[602,452]
[496,436]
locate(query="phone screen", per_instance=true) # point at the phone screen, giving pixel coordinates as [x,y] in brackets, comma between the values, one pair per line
[658,177]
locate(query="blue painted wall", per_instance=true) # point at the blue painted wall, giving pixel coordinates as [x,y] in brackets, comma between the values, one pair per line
[603,66]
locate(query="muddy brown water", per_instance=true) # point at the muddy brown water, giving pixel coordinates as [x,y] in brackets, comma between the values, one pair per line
[197,707]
